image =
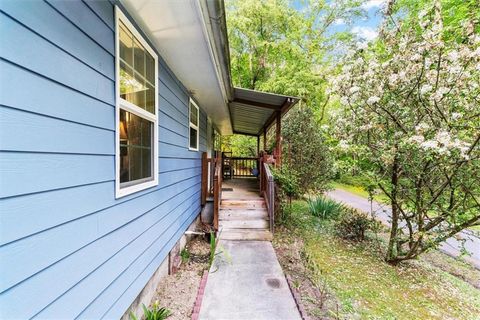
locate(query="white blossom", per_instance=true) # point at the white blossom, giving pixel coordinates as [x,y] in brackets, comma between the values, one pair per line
[373,100]
[425,88]
[354,89]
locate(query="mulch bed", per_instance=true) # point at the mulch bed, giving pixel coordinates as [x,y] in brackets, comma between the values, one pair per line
[178,292]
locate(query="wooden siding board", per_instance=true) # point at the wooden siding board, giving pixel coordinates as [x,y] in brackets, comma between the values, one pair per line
[47,59]
[134,255]
[172,96]
[48,209]
[80,14]
[85,262]
[36,133]
[103,9]
[115,311]
[77,244]
[24,173]
[170,123]
[29,256]
[60,102]
[169,108]
[60,32]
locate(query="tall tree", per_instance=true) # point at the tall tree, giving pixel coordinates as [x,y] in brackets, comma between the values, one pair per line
[283,47]
[411,107]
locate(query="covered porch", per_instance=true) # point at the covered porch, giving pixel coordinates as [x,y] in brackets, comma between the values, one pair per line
[242,188]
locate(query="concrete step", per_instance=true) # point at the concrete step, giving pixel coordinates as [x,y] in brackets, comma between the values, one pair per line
[243,214]
[246,234]
[244,224]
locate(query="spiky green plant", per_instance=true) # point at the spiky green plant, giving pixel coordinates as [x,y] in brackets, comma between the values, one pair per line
[324,208]
[153,313]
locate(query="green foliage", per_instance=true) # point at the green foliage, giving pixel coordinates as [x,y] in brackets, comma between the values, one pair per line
[353,224]
[276,48]
[287,188]
[153,313]
[305,150]
[324,208]
[185,255]
[240,145]
[287,180]
[454,15]
[213,247]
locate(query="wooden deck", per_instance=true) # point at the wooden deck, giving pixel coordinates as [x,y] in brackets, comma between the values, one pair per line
[243,214]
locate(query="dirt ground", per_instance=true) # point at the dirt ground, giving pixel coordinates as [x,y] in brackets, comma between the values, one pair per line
[178,292]
[317,301]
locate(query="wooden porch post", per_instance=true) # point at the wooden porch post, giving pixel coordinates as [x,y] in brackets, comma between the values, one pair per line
[278,139]
[264,139]
[204,177]
[258,146]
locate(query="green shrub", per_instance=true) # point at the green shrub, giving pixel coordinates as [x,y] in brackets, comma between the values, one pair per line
[324,208]
[353,225]
[185,255]
[153,313]
[287,180]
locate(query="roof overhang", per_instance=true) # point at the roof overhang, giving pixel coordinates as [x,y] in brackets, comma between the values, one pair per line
[191,37]
[252,111]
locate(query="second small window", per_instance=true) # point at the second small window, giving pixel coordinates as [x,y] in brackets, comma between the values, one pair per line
[193,126]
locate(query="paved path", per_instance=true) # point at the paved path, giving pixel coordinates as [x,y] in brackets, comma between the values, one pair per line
[247,282]
[452,246]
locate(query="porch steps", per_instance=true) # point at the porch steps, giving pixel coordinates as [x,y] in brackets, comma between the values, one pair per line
[244,219]
[243,214]
[242,203]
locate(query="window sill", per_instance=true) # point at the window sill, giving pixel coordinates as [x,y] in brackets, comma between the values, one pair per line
[125,191]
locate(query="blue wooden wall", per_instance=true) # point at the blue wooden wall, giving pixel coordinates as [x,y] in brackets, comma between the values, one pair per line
[68,248]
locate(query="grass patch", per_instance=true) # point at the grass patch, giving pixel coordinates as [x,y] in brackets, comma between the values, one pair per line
[359,191]
[368,288]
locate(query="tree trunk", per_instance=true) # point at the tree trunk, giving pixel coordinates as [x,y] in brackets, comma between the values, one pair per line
[392,252]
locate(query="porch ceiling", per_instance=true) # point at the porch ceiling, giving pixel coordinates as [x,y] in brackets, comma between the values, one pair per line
[251,111]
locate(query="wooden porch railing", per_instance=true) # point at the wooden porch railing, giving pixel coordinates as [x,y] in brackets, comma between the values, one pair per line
[240,167]
[208,173]
[212,183]
[267,190]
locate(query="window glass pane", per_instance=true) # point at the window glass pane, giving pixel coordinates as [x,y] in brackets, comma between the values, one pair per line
[140,90]
[146,163]
[126,45]
[150,68]
[193,115]
[150,98]
[137,72]
[193,138]
[135,147]
[139,58]
[127,82]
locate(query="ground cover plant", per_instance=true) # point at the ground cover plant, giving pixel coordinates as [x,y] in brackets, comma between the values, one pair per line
[344,279]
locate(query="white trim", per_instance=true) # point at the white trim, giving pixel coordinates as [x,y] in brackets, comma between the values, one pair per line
[191,125]
[130,107]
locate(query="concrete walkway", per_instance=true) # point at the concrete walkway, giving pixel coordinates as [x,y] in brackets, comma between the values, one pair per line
[247,282]
[383,212]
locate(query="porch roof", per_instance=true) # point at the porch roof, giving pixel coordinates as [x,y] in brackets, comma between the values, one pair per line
[251,111]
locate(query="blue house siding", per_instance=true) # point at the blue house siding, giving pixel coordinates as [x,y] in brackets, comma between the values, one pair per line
[68,248]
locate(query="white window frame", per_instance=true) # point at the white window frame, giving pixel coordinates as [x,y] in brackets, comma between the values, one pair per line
[121,103]
[192,125]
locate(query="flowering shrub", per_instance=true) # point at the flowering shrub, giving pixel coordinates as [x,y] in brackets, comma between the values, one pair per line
[411,107]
